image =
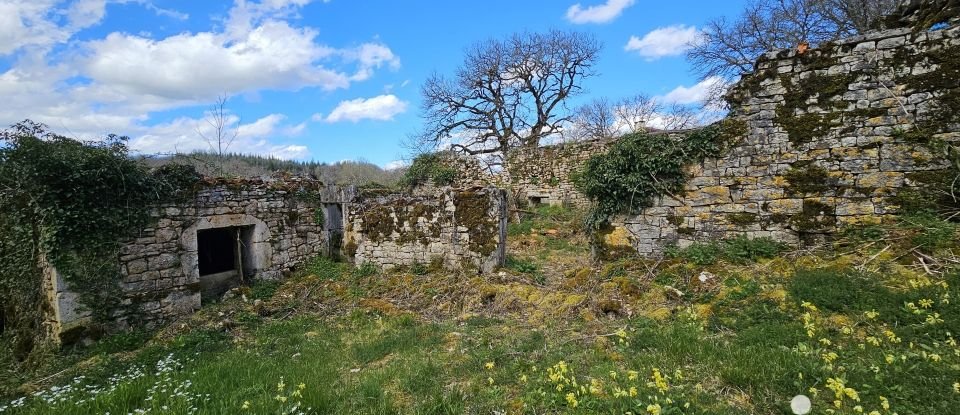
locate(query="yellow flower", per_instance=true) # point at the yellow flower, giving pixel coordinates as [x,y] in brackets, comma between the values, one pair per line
[956,387]
[659,381]
[523,379]
[572,400]
[889,359]
[653,409]
[935,357]
[490,381]
[621,333]
[884,403]
[613,374]
[926,303]
[281,385]
[825,341]
[296,394]
[246,405]
[280,398]
[632,374]
[858,409]
[489,365]
[302,386]
[633,391]
[813,391]
[872,314]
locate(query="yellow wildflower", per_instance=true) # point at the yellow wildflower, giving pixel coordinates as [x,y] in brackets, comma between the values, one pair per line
[872,314]
[926,303]
[884,403]
[246,405]
[633,391]
[489,365]
[632,374]
[572,400]
[654,409]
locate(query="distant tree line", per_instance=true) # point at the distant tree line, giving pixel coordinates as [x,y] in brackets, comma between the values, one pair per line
[243,165]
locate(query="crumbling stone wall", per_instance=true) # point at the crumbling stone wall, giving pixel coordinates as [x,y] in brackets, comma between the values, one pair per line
[160,266]
[834,134]
[544,175]
[462,228]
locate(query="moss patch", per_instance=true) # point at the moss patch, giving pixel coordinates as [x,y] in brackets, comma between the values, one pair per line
[808,179]
[473,212]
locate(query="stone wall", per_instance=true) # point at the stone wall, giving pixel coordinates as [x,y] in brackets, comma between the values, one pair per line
[544,175]
[161,278]
[834,134]
[457,228]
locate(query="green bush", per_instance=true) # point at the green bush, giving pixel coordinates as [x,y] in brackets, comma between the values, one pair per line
[522,266]
[429,167]
[739,250]
[932,232]
[641,166]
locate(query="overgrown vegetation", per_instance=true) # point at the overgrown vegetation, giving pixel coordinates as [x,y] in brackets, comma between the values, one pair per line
[739,250]
[858,327]
[639,167]
[68,203]
[429,167]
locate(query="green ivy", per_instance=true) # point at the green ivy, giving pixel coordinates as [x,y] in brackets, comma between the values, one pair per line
[639,167]
[70,202]
[429,167]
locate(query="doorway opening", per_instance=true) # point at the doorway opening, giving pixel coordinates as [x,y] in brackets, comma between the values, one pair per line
[224,259]
[536,200]
[333,225]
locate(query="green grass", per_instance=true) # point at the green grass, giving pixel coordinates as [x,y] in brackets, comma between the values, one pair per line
[739,250]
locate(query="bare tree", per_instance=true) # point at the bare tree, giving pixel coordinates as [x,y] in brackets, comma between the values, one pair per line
[508,93]
[222,132]
[728,49]
[602,119]
[594,120]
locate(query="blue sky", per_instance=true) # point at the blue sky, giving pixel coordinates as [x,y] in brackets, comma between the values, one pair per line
[324,80]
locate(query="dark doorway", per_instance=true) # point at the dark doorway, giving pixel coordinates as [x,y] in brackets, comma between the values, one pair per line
[333,224]
[217,250]
[536,200]
[223,259]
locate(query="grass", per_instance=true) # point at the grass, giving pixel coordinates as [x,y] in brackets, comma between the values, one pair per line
[737,250]
[763,329]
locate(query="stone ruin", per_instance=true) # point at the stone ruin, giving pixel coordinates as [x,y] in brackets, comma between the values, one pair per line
[833,135]
[236,231]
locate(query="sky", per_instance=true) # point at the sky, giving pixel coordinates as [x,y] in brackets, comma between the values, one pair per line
[323,80]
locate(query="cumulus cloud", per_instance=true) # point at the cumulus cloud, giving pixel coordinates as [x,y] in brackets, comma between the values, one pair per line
[186,134]
[696,94]
[381,108]
[116,83]
[664,41]
[601,13]
[194,66]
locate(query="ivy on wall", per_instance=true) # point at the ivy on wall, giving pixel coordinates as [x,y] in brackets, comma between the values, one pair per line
[70,202]
[639,167]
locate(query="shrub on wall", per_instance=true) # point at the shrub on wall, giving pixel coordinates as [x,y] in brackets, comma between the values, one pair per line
[70,202]
[429,167]
[641,166]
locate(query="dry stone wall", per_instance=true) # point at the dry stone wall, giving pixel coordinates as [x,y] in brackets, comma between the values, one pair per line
[545,175]
[834,135]
[454,228]
[161,278]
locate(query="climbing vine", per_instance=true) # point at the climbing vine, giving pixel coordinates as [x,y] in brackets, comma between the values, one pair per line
[69,203]
[639,167]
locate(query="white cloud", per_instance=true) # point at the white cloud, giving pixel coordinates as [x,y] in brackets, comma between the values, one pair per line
[202,65]
[695,94]
[187,134]
[114,84]
[602,13]
[381,107]
[664,41]
[396,164]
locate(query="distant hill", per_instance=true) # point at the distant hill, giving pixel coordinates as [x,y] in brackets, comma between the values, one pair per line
[240,165]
